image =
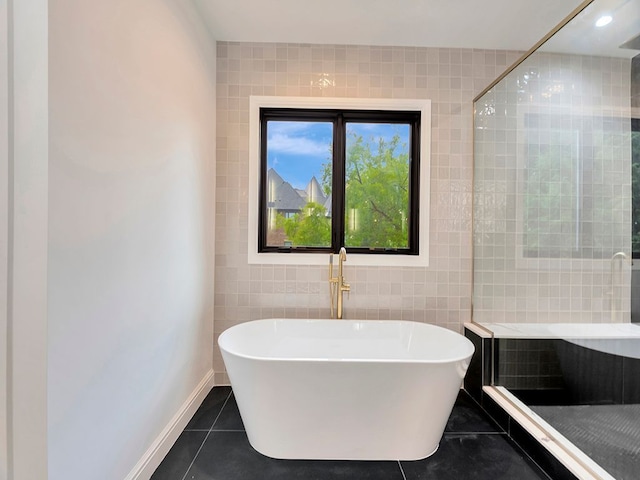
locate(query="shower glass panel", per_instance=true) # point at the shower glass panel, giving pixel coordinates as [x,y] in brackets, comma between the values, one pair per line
[556,226]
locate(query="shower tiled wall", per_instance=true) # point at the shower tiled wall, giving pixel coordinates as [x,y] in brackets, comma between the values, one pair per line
[439,294]
[527,364]
[553,192]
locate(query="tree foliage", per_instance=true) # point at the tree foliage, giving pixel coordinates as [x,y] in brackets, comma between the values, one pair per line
[377,198]
[310,227]
[377,193]
[549,200]
[573,204]
[635,188]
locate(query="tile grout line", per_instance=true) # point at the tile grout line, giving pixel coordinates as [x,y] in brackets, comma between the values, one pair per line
[221,410]
[196,455]
[206,436]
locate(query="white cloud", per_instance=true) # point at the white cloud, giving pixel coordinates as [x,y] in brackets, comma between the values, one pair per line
[288,128]
[285,144]
[300,138]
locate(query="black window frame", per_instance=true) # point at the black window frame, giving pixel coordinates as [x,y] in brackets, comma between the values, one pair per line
[635,189]
[340,118]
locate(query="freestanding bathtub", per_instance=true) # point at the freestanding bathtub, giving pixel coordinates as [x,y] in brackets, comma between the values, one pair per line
[344,389]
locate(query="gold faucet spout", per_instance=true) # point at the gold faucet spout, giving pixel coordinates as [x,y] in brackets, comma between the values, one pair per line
[342,285]
[337,285]
[342,257]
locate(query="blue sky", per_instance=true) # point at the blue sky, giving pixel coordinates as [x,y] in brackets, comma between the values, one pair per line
[297,150]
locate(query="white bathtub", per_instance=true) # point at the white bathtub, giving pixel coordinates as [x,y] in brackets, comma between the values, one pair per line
[344,389]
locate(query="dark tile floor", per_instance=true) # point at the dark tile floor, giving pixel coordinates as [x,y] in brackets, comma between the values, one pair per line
[214,445]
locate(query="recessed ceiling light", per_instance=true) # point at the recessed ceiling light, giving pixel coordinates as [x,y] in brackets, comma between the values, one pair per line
[604,20]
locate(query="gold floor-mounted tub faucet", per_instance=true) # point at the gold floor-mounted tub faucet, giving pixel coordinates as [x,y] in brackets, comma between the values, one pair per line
[337,285]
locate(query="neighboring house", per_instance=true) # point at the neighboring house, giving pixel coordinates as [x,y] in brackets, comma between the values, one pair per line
[327,206]
[281,196]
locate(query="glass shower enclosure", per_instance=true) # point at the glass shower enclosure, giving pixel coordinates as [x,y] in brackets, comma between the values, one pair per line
[556,231]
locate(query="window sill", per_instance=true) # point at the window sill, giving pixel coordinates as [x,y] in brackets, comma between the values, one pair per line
[362,260]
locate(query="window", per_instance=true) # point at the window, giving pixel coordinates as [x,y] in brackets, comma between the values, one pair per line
[332,178]
[335,172]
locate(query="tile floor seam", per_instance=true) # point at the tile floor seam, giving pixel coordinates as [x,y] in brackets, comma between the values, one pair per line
[196,455]
[206,437]
[404,477]
[221,410]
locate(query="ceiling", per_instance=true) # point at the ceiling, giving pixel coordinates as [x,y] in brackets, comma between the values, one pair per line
[490,24]
[582,36]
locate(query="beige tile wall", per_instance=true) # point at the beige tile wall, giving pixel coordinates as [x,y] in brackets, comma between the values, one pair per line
[451,78]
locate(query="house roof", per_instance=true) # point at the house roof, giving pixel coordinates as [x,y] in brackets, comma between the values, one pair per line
[314,192]
[281,195]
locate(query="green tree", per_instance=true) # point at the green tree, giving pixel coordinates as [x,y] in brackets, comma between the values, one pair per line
[635,188]
[559,219]
[310,227]
[377,193]
[550,197]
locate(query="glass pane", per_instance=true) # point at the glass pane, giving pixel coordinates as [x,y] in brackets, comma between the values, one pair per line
[377,185]
[551,190]
[555,186]
[574,167]
[298,189]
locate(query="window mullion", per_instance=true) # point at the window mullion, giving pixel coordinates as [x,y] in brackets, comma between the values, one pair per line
[338,183]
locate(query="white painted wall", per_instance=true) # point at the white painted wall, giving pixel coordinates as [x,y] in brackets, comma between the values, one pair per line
[131,195]
[4,232]
[26,231]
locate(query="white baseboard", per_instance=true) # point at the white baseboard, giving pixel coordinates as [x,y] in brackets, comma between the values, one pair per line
[161,446]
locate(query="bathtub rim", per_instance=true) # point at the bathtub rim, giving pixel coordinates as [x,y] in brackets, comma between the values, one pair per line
[399,361]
